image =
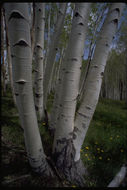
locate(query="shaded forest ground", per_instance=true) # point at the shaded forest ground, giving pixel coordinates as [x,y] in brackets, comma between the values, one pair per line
[103,152]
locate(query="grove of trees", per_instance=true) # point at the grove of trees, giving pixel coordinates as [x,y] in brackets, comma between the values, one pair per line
[64,49]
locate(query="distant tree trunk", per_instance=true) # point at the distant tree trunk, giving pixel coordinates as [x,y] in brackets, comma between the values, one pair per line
[95,75]
[17,17]
[63,149]
[2,55]
[48,40]
[33,30]
[39,57]
[53,49]
[126,79]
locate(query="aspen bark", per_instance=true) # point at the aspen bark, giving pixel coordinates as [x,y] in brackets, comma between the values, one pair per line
[95,75]
[33,30]
[39,56]
[9,63]
[56,102]
[63,146]
[17,17]
[53,49]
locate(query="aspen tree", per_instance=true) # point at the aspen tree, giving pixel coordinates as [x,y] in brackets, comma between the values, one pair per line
[95,75]
[63,146]
[53,48]
[39,56]
[19,35]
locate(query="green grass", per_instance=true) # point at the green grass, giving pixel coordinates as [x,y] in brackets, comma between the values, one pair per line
[104,149]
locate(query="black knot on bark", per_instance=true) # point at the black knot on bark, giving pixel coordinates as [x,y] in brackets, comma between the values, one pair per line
[102,73]
[115,21]
[16,15]
[81,24]
[21,43]
[118,10]
[76,14]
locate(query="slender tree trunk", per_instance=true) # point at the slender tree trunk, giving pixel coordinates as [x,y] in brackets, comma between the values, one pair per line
[56,102]
[63,149]
[126,78]
[94,78]
[48,40]
[39,57]
[53,49]
[17,17]
[33,30]
[2,55]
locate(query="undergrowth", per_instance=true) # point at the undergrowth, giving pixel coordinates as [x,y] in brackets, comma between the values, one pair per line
[104,149]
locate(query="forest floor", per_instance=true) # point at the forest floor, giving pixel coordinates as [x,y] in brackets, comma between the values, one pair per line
[103,152]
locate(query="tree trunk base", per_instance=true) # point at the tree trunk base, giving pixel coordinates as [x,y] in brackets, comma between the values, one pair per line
[67,167]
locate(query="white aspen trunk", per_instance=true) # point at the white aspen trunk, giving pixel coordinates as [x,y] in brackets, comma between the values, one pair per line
[56,102]
[39,57]
[53,48]
[9,63]
[54,77]
[94,78]
[63,146]
[19,36]
[33,30]
[59,66]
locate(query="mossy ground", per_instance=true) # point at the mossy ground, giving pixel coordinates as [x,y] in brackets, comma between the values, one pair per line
[103,152]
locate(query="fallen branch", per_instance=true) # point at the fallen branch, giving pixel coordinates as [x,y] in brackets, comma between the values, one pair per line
[5,182]
[119,177]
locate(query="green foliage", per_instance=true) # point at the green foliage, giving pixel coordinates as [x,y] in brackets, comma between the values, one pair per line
[104,148]
[115,68]
[11,128]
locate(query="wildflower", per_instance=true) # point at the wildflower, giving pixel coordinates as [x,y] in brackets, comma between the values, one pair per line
[86,154]
[87,147]
[43,123]
[73,186]
[122,150]
[117,136]
[110,138]
[93,156]
[108,158]
[88,158]
[96,142]
[98,149]
[102,150]
[100,158]
[81,150]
